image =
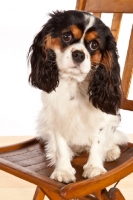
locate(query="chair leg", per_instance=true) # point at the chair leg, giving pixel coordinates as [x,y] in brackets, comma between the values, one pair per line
[105,194]
[52,194]
[115,194]
[102,195]
[39,195]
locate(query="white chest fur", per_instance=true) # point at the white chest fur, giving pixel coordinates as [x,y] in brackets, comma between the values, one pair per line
[68,112]
[70,123]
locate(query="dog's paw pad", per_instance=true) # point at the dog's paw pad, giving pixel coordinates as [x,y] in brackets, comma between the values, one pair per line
[90,172]
[113,153]
[63,176]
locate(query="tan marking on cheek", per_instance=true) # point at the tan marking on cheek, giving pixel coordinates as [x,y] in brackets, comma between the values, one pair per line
[107,60]
[51,43]
[77,33]
[96,58]
[91,36]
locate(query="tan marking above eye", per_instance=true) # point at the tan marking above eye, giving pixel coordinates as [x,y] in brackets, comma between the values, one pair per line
[91,36]
[77,33]
[51,43]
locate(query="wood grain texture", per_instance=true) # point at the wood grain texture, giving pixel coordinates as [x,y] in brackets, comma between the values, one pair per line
[107,6]
[115,27]
[51,190]
[80,5]
[127,104]
[39,194]
[27,160]
[98,14]
[128,68]
[25,190]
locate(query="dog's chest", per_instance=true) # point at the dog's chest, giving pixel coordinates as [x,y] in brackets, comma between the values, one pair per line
[72,95]
[72,104]
[69,102]
[70,113]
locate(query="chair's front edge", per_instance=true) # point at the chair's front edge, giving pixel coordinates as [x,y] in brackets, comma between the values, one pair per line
[30,176]
[89,186]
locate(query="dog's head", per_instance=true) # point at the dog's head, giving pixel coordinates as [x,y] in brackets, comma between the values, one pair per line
[70,45]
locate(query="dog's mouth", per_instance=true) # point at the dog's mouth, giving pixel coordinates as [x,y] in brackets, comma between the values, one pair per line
[77,70]
[76,66]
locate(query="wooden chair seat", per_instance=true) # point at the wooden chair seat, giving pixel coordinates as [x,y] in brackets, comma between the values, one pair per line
[27,160]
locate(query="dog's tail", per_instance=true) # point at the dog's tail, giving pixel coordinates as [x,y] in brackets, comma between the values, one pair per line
[120,137]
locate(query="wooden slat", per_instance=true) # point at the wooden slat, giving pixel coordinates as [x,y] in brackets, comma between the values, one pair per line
[31,161]
[116,22]
[29,175]
[37,167]
[21,156]
[128,69]
[39,194]
[98,15]
[18,146]
[81,4]
[109,6]
[127,105]
[31,148]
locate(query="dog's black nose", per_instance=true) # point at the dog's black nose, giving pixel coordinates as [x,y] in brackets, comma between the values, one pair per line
[78,56]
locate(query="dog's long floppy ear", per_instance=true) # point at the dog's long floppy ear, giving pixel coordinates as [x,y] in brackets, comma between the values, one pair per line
[44,71]
[105,90]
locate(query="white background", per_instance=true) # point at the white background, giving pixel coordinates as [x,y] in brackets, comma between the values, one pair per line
[20,20]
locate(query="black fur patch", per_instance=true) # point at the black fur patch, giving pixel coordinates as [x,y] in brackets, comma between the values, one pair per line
[104,86]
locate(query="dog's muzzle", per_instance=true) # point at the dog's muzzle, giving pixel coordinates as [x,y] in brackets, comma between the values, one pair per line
[78,56]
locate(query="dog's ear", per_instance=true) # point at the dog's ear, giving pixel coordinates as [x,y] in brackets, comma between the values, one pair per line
[105,90]
[44,71]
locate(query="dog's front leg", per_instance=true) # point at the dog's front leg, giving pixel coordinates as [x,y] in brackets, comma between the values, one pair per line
[63,172]
[94,165]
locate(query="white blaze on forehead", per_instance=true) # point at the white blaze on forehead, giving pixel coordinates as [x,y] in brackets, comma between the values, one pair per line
[90,20]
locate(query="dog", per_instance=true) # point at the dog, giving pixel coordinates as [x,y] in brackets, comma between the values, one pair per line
[74,61]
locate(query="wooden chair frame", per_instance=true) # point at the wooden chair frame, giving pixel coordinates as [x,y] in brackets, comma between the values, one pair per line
[27,160]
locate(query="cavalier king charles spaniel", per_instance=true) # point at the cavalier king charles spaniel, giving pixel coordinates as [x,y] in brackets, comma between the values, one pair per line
[74,62]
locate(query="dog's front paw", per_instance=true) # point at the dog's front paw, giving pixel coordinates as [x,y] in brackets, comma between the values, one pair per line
[62,175]
[90,172]
[113,153]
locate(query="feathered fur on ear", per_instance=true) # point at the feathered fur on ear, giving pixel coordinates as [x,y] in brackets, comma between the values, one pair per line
[44,71]
[105,90]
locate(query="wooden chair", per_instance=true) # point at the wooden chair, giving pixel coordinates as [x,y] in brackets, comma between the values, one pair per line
[27,160]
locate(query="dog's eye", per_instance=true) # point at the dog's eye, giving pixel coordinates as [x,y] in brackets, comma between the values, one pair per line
[93,45]
[67,37]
